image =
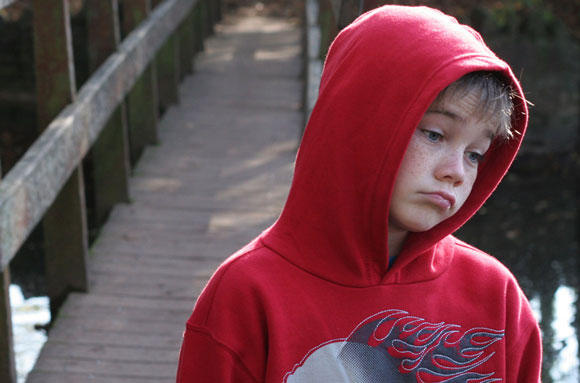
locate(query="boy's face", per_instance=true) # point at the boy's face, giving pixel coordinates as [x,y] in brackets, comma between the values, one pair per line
[440,165]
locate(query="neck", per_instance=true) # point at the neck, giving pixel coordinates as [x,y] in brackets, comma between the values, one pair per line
[396,240]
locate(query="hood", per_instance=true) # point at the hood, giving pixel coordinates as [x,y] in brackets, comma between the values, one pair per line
[381,74]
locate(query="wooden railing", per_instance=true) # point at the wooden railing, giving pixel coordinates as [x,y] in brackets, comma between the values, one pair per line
[323,20]
[108,122]
[337,14]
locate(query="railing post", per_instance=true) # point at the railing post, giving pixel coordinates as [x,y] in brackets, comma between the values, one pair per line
[109,157]
[167,62]
[198,27]
[186,45]
[64,224]
[7,361]
[327,18]
[142,99]
[168,69]
[212,14]
[367,5]
[206,26]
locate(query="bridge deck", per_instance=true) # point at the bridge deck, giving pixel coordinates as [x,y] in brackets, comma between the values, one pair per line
[219,176]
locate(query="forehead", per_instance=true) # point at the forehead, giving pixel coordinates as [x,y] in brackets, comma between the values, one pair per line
[465,105]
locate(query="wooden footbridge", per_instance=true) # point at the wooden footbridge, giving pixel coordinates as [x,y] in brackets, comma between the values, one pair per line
[184,169]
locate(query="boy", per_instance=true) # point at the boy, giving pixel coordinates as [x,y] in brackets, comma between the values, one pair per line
[360,279]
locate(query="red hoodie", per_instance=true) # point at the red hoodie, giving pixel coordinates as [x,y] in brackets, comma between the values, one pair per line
[313,299]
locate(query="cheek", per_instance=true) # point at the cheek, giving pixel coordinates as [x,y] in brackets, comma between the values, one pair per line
[415,160]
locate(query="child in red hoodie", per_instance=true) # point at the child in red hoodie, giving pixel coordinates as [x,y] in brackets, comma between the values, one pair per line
[360,279]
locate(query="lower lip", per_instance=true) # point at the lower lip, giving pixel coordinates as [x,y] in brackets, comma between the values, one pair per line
[438,200]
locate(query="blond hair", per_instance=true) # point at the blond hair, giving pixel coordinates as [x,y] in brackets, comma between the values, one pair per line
[494,96]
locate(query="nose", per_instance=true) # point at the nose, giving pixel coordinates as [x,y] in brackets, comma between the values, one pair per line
[451,168]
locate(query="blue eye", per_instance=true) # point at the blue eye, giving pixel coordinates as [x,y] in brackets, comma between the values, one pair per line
[432,136]
[474,157]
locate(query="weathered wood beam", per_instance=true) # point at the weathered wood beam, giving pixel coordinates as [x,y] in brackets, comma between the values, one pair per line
[53,58]
[198,27]
[167,65]
[33,183]
[109,156]
[186,35]
[64,223]
[142,100]
[329,12]
[103,29]
[7,361]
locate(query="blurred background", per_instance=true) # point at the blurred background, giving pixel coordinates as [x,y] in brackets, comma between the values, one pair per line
[530,223]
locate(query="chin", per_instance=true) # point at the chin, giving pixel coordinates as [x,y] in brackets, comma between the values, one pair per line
[423,225]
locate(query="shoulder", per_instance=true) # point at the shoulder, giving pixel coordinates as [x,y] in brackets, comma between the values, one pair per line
[485,276]
[471,258]
[238,283]
[494,282]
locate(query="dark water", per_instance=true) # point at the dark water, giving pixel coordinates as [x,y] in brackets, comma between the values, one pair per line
[531,225]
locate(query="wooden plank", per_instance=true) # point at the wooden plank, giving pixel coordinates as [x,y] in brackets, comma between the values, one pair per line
[67,377]
[78,306]
[106,352]
[104,368]
[118,324]
[32,184]
[93,336]
[132,285]
[7,361]
[159,303]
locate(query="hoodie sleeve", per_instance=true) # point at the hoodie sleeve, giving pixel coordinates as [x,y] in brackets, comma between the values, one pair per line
[225,339]
[526,359]
[524,350]
[204,359]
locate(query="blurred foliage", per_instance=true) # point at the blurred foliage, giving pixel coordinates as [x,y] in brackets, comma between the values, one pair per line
[540,41]
[535,18]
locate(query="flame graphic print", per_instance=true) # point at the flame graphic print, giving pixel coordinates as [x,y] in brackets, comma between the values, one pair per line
[394,346]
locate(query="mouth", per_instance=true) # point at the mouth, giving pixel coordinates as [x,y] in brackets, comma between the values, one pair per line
[442,199]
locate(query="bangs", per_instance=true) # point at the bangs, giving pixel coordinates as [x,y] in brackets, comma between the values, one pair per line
[494,99]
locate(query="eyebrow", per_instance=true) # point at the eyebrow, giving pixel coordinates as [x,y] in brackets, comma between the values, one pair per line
[446,112]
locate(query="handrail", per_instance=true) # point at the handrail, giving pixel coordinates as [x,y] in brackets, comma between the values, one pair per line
[32,185]
[5,3]
[114,113]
